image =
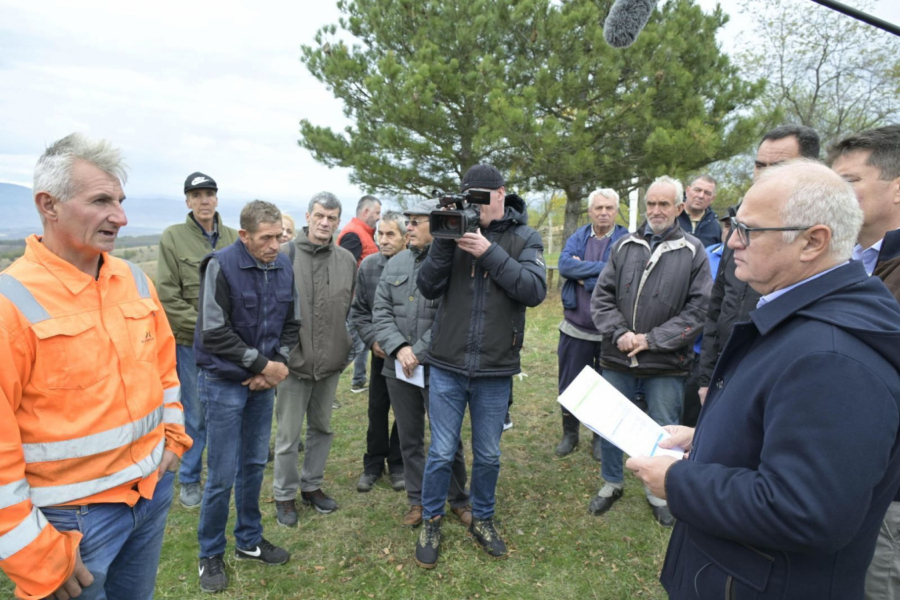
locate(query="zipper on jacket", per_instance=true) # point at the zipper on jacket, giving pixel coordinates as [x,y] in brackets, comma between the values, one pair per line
[729,588]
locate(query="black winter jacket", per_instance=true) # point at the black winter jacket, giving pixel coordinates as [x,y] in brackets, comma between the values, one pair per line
[479,328]
[730,302]
[662,294]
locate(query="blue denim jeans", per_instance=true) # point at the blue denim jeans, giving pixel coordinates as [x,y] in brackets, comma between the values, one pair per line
[194,415]
[488,399]
[121,543]
[238,427]
[664,397]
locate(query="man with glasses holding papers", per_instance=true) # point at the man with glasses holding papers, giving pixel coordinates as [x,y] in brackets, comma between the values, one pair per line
[796,456]
[649,305]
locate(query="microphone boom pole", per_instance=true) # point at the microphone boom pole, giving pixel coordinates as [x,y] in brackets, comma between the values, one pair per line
[860,16]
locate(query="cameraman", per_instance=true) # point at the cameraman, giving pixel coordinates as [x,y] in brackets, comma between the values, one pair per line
[486,279]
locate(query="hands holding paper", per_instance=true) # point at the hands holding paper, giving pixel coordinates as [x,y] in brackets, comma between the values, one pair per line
[407,360]
[652,471]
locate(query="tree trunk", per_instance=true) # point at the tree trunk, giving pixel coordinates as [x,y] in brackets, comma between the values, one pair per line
[574,210]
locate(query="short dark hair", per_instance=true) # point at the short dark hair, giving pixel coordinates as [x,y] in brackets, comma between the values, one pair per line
[257,212]
[807,138]
[365,202]
[883,142]
[705,177]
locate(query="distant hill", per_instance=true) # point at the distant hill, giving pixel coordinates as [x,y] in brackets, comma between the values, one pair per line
[18,217]
[147,215]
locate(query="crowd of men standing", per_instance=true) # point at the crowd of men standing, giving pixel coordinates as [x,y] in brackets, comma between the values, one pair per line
[790,482]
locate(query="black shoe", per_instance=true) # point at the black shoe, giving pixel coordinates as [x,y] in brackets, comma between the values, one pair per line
[605,498]
[213,577]
[428,546]
[286,513]
[398,482]
[663,516]
[597,448]
[319,501]
[486,535]
[568,444]
[366,482]
[265,552]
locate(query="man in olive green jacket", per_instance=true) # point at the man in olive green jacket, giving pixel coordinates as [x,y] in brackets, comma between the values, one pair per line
[326,277]
[181,249]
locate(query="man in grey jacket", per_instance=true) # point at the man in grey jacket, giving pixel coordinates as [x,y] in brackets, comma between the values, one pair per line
[382,440]
[325,276]
[402,324]
[649,305]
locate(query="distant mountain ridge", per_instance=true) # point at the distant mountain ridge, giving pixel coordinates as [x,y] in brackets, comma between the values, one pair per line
[147,215]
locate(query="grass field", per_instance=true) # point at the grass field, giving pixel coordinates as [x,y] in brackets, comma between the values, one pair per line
[557,549]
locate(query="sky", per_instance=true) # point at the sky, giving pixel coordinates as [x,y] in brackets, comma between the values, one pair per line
[186,86]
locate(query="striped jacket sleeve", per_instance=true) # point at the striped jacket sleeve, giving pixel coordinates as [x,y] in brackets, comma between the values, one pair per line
[26,538]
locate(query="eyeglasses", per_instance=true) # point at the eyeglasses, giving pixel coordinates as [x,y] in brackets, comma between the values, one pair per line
[415,222]
[743,231]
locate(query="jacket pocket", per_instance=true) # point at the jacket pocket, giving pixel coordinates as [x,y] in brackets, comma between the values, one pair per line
[140,319]
[189,269]
[735,570]
[67,353]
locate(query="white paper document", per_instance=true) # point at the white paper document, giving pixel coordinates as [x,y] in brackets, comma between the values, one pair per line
[418,376]
[602,409]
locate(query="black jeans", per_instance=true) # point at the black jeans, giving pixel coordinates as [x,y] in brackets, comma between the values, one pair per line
[382,440]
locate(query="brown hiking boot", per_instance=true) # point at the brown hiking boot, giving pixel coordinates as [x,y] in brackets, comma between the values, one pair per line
[463,513]
[413,517]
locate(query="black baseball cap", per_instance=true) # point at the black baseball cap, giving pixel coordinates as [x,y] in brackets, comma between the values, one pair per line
[197,181]
[483,177]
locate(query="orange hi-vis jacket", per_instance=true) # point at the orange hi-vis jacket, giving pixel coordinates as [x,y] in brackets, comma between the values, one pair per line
[89,400]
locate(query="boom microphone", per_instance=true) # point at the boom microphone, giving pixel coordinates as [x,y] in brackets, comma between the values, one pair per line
[626,20]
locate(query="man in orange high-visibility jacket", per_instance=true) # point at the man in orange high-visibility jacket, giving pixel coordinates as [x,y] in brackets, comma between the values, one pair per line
[91,425]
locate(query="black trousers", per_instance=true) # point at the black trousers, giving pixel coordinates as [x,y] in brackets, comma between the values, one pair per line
[574,355]
[382,440]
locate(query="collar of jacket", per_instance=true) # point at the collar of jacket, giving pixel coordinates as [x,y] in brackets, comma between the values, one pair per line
[304,244]
[674,232]
[890,247]
[774,313]
[420,253]
[197,229]
[74,280]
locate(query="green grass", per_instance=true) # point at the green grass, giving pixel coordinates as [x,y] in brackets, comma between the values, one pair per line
[557,549]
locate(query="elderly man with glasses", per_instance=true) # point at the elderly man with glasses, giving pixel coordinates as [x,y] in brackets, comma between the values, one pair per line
[797,456]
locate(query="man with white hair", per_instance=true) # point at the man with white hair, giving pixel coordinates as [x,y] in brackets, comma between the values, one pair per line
[581,262]
[91,423]
[796,457]
[649,305]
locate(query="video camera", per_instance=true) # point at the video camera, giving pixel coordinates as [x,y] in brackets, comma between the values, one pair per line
[452,224]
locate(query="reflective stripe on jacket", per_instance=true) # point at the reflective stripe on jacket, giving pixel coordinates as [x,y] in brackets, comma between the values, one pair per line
[89,400]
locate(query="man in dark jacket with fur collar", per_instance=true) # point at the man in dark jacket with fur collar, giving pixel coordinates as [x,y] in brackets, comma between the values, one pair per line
[649,305]
[485,279]
[796,455]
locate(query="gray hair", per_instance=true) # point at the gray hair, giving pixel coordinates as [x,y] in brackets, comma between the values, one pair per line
[819,197]
[326,200]
[53,171]
[365,202]
[666,180]
[606,193]
[395,217]
[257,212]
